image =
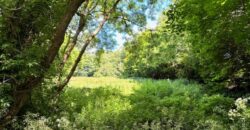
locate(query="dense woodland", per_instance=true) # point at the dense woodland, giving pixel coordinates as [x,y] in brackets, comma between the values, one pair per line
[62,68]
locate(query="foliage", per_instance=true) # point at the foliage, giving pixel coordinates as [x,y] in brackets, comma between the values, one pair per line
[153,104]
[219,34]
[5,99]
[195,42]
[88,66]
[207,41]
[95,108]
[110,64]
[101,64]
[33,121]
[241,114]
[32,34]
[18,49]
[176,105]
[160,54]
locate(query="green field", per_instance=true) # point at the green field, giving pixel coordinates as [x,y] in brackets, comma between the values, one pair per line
[114,103]
[126,86]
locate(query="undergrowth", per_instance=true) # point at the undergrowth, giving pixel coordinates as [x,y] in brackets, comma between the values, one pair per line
[140,104]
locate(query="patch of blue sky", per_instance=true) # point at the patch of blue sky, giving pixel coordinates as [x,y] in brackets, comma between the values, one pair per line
[151,23]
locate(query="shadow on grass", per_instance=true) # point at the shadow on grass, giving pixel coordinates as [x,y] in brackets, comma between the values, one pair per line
[161,104]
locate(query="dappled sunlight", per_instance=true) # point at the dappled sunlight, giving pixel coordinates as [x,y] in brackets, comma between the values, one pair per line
[151,104]
[124,65]
[126,86]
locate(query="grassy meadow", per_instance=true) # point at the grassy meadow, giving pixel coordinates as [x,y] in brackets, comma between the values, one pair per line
[108,103]
[126,86]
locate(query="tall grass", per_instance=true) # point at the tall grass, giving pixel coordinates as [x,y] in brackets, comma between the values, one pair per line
[123,104]
[126,86]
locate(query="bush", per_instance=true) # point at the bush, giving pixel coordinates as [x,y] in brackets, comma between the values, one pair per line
[176,105]
[241,114]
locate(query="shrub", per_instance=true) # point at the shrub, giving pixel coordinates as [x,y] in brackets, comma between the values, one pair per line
[176,105]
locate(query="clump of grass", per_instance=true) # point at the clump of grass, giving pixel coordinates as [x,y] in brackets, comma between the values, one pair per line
[96,108]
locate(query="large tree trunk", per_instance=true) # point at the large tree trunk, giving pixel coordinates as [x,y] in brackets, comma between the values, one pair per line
[60,32]
[20,97]
[21,92]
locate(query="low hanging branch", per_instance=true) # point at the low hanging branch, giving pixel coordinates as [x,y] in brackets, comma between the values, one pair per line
[88,41]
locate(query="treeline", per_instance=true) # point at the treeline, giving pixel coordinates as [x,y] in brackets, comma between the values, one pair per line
[100,64]
[207,41]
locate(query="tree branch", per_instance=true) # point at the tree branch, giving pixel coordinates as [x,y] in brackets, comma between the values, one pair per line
[88,41]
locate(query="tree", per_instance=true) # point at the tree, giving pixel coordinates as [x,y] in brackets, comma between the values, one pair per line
[159,54]
[32,33]
[219,33]
[20,32]
[110,64]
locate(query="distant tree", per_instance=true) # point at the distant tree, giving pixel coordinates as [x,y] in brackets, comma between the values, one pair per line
[88,66]
[159,54]
[111,64]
